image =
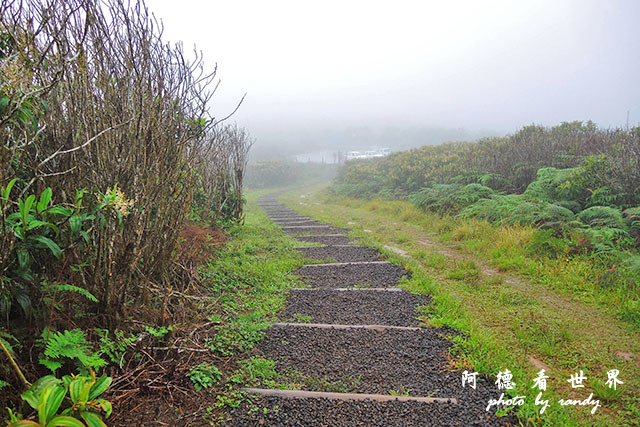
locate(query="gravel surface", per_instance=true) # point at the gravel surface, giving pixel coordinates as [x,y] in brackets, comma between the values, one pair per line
[405,361]
[280,213]
[330,413]
[344,276]
[314,230]
[326,240]
[297,222]
[385,360]
[355,307]
[341,253]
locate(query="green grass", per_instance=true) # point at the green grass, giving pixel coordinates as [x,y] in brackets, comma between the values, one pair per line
[513,308]
[248,279]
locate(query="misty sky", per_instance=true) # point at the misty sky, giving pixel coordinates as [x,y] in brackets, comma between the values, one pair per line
[313,68]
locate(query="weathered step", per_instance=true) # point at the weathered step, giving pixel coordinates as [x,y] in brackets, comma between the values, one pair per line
[390,361]
[285,212]
[338,326]
[313,229]
[301,394]
[287,412]
[356,290]
[362,307]
[326,239]
[339,264]
[341,253]
[376,274]
[287,218]
[305,222]
[296,227]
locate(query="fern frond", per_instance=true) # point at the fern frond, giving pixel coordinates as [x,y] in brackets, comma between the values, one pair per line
[65,287]
[70,344]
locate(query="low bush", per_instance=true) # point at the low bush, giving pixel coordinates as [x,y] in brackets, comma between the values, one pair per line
[449,198]
[602,217]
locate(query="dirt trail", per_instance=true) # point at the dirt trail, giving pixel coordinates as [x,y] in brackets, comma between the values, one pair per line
[392,358]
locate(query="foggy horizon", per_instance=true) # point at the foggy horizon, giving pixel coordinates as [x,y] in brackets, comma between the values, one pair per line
[415,73]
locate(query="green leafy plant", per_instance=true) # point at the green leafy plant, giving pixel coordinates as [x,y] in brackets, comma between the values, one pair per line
[69,345]
[48,394]
[204,376]
[115,348]
[159,332]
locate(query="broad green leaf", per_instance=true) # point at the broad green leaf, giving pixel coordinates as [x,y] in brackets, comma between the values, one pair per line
[26,208]
[85,236]
[54,401]
[42,404]
[75,223]
[100,386]
[45,198]
[7,190]
[23,258]
[24,302]
[4,101]
[92,419]
[36,223]
[19,233]
[65,421]
[14,216]
[60,210]
[24,423]
[66,380]
[44,382]
[106,407]
[86,388]
[31,398]
[53,246]
[75,387]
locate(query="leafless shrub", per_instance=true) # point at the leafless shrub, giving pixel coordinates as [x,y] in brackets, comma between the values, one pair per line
[118,109]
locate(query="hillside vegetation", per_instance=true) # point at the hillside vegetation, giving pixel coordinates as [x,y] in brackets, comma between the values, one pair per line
[574,182]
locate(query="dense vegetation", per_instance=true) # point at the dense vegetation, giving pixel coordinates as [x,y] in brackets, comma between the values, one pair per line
[107,150]
[578,184]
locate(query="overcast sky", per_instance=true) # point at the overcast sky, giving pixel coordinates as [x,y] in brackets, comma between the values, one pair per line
[478,65]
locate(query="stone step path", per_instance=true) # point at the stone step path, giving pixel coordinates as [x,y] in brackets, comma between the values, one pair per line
[352,327]
[360,307]
[341,253]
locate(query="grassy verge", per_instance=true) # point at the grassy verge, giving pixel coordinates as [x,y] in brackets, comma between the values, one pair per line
[247,279]
[519,312]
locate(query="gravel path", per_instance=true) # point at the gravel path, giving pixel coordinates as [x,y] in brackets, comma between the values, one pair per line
[413,362]
[362,275]
[385,360]
[313,229]
[289,222]
[326,240]
[341,253]
[354,307]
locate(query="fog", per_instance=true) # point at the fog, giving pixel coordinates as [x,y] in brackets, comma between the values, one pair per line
[351,74]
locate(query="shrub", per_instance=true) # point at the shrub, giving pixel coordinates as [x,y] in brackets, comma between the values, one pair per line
[601,217]
[603,239]
[545,244]
[548,185]
[632,220]
[449,198]
[497,209]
